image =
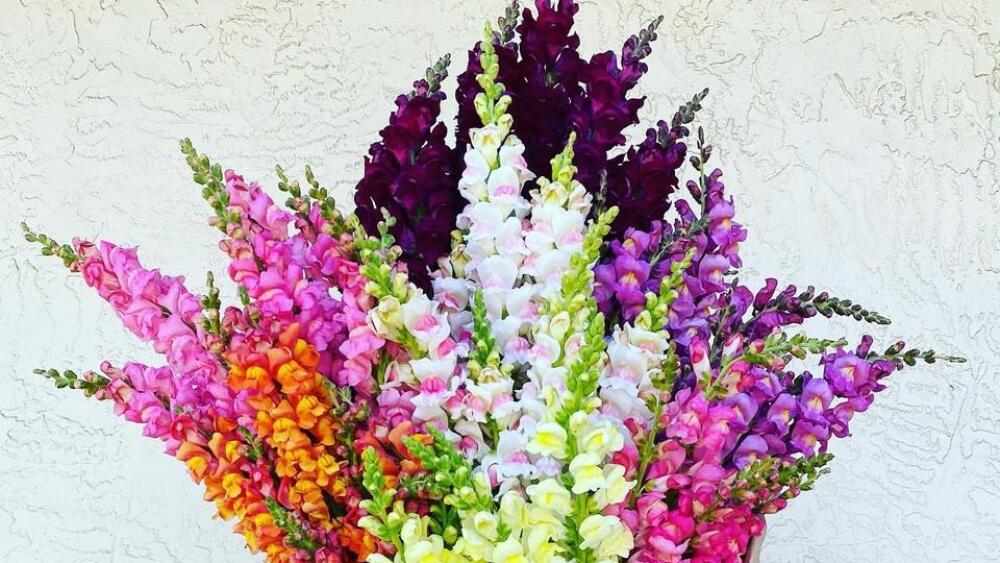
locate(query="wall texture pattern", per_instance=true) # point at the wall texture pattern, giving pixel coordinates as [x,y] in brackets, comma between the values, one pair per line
[859,137]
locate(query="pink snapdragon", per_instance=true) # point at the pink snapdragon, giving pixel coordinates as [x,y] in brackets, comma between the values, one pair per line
[159,310]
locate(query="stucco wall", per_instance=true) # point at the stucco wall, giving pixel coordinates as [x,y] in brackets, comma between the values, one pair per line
[859,140]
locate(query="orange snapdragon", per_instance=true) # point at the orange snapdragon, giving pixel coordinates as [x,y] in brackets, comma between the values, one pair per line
[224,468]
[294,417]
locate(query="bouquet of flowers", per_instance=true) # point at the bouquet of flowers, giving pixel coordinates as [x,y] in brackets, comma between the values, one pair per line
[530,347]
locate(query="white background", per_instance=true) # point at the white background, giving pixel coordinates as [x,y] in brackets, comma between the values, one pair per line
[859,140]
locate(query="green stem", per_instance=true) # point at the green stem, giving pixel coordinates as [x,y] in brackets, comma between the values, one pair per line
[580,513]
[647,451]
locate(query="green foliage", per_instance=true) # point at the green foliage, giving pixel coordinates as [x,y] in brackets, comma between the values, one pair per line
[484,358]
[378,254]
[769,479]
[563,170]
[583,375]
[211,305]
[447,480]
[448,474]
[384,520]
[484,351]
[802,474]
[302,202]
[777,348]
[255,448]
[654,316]
[575,291]
[297,536]
[785,347]
[583,506]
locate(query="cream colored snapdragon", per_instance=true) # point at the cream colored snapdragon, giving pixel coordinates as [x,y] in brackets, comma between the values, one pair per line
[419,546]
[523,530]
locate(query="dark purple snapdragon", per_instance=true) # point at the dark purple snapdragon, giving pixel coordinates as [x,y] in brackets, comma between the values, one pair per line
[555,91]
[412,173]
[603,111]
[541,74]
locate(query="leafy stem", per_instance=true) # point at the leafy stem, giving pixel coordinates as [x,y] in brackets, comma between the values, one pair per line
[777,346]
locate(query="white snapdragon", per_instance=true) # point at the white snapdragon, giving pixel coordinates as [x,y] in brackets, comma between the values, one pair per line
[634,360]
[428,325]
[559,210]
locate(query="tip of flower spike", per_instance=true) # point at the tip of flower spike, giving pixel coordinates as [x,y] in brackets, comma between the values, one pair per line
[609,215]
[439,72]
[433,77]
[898,355]
[491,104]
[487,51]
[488,37]
[210,176]
[639,46]
[90,383]
[508,22]
[563,170]
[685,114]
[51,247]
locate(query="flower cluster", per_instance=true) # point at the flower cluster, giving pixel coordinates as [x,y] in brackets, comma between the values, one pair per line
[520,350]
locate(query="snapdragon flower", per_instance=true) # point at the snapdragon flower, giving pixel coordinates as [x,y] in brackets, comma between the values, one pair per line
[564,370]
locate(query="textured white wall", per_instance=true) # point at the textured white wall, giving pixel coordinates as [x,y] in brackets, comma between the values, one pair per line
[860,141]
